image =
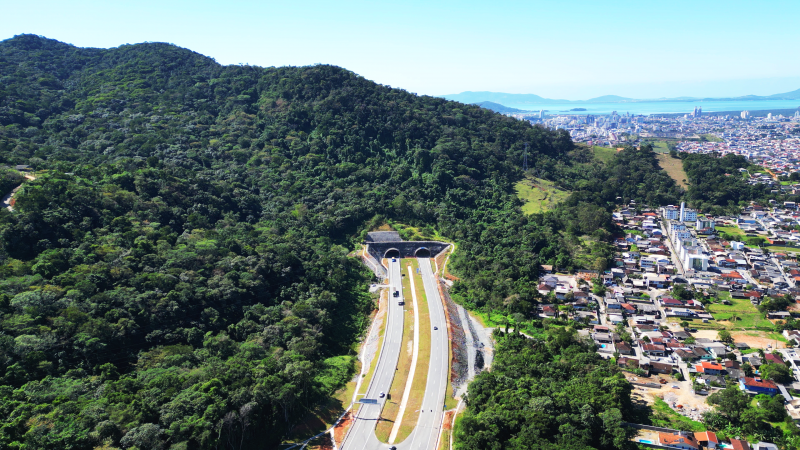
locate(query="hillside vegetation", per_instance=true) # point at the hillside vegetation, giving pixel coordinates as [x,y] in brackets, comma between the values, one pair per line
[177,275]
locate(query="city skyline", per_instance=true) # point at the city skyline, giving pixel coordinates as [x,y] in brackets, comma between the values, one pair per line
[713,49]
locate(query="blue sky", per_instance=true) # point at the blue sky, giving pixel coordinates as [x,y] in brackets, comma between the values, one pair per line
[567,49]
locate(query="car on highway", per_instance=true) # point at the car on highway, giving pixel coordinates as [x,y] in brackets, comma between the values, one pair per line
[396,294]
[435,328]
[394,259]
[383,394]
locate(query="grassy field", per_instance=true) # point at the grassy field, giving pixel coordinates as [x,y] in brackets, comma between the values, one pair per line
[603,154]
[731,230]
[660,147]
[674,168]
[710,138]
[392,406]
[775,249]
[539,195]
[411,415]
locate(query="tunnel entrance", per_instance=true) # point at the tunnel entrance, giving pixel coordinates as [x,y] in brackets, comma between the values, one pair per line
[392,253]
[422,252]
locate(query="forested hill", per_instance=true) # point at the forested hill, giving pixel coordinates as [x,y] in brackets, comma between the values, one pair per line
[177,274]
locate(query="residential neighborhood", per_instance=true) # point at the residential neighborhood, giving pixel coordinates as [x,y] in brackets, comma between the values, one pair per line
[686,310]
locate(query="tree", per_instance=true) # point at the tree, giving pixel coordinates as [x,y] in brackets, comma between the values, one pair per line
[776,372]
[731,402]
[725,336]
[748,369]
[684,324]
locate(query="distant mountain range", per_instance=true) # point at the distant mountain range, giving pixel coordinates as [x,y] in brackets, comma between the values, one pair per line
[532,99]
[497,107]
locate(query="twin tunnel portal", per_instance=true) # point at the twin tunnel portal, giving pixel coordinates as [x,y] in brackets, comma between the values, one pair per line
[421,252]
[389,244]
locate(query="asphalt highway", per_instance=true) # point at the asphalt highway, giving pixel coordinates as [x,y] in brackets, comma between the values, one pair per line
[426,433]
[362,435]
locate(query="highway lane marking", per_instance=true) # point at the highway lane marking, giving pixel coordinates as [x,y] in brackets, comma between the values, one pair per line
[414,355]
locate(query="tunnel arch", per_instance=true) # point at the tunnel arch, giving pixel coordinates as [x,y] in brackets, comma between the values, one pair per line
[392,253]
[422,252]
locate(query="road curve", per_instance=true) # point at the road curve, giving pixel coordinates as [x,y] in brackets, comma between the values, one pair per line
[362,435]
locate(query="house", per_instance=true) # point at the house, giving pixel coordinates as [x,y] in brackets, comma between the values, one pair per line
[544,288]
[684,441]
[765,446]
[603,338]
[628,363]
[707,439]
[548,311]
[774,359]
[681,335]
[731,364]
[616,318]
[758,386]
[792,335]
[783,315]
[710,368]
[671,302]
[739,444]
[733,278]
[661,368]
[754,361]
[701,353]
[717,350]
[685,355]
[624,348]
[654,349]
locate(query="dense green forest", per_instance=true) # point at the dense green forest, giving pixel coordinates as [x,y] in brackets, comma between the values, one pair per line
[716,185]
[551,394]
[177,274]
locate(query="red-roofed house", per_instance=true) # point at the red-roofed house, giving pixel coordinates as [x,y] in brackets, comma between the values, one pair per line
[733,277]
[707,439]
[739,444]
[775,359]
[654,349]
[758,386]
[709,368]
[678,441]
[668,301]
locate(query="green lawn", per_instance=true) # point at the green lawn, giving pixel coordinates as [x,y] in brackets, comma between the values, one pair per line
[539,195]
[747,315]
[604,154]
[734,230]
[660,147]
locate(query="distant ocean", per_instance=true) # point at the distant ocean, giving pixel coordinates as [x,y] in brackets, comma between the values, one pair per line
[646,108]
